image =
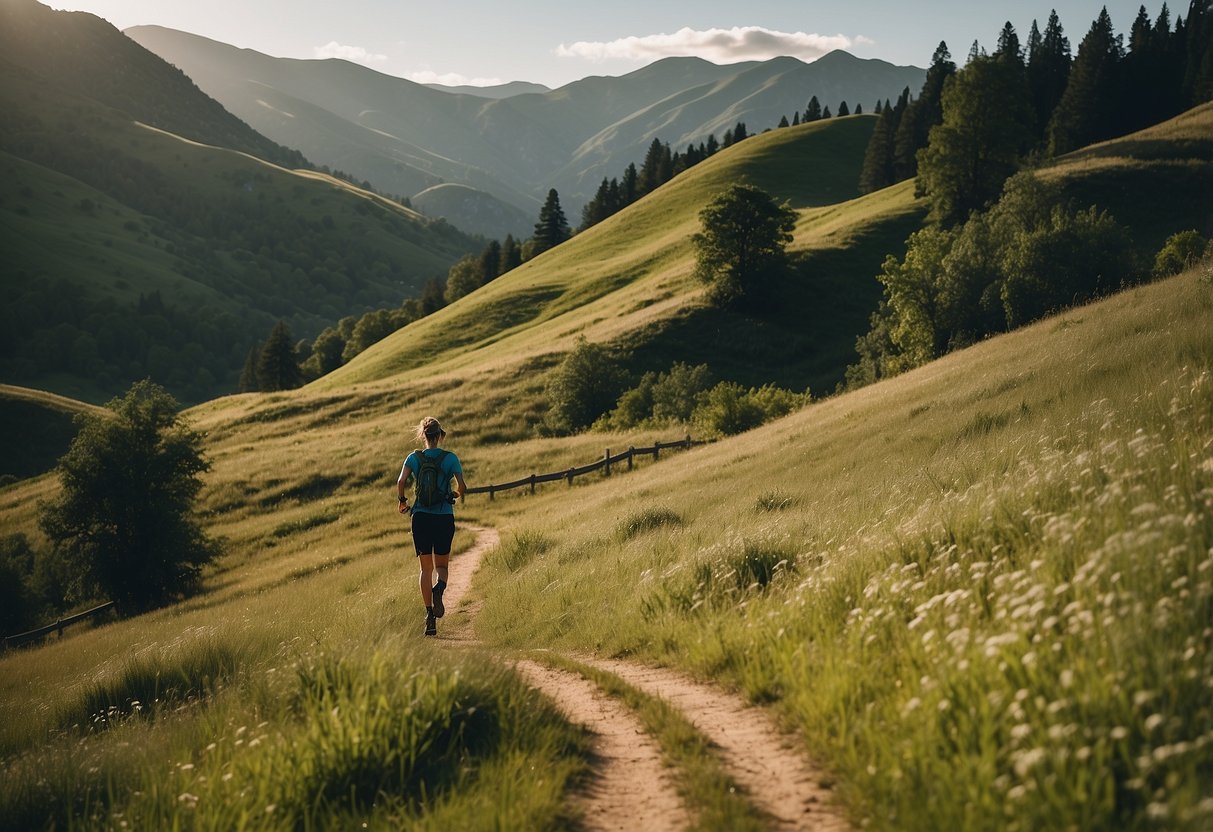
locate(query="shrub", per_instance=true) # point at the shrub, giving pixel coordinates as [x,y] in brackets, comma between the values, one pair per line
[1181,252]
[646,520]
[660,398]
[729,408]
[726,409]
[773,501]
[582,387]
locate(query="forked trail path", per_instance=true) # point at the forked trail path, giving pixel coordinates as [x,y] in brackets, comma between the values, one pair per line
[631,788]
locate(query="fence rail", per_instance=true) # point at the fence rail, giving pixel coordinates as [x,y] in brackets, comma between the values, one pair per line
[604,463]
[57,627]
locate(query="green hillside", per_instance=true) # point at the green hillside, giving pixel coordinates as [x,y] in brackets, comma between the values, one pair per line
[888,569]
[131,251]
[1148,179]
[82,52]
[35,429]
[978,592]
[627,281]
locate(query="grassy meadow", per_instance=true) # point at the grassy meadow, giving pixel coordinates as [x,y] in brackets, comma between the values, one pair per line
[981,593]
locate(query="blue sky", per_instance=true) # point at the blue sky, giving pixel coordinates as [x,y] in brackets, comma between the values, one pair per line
[487,41]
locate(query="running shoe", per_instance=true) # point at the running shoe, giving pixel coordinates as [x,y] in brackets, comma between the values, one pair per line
[439,610]
[431,626]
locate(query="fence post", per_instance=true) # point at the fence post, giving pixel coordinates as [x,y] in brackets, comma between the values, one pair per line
[532,483]
[59,627]
[631,453]
[688,445]
[490,493]
[570,476]
[607,456]
[656,451]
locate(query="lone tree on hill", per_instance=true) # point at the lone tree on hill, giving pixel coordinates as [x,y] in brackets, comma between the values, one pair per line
[552,228]
[123,516]
[742,242]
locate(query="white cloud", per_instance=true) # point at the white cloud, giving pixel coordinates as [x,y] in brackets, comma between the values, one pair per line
[741,43]
[356,54]
[452,79]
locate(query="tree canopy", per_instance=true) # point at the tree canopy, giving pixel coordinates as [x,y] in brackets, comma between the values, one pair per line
[742,242]
[123,516]
[986,128]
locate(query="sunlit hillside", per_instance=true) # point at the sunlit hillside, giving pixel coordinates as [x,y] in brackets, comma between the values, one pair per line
[979,593]
[628,279]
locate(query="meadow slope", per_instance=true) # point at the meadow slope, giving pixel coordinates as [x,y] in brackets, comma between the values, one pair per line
[981,593]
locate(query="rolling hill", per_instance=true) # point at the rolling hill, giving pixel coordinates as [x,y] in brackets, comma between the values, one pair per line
[470,208]
[131,250]
[398,133]
[35,429]
[977,592]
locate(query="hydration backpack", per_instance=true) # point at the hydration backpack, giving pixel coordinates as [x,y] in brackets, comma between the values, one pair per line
[433,488]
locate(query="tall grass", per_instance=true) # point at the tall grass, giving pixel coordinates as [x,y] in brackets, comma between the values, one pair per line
[375,737]
[981,623]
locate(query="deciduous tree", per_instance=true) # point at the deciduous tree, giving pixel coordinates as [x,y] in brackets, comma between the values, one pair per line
[124,514]
[742,242]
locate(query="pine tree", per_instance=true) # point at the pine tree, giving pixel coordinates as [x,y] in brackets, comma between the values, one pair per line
[552,229]
[650,169]
[813,111]
[248,376]
[843,110]
[1087,111]
[1196,41]
[879,108]
[1048,71]
[511,255]
[597,209]
[859,109]
[629,185]
[712,145]
[877,169]
[783,122]
[796,118]
[1008,46]
[278,365]
[825,113]
[914,127]
[490,262]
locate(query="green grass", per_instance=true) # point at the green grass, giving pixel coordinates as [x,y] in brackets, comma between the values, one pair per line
[627,280]
[980,591]
[994,617]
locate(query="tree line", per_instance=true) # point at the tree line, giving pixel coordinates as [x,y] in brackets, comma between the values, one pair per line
[1003,247]
[1033,101]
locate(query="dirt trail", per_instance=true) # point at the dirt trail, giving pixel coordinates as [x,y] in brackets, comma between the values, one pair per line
[756,753]
[456,625]
[631,789]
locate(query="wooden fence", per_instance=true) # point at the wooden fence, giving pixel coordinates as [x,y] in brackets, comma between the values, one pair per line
[57,627]
[604,464]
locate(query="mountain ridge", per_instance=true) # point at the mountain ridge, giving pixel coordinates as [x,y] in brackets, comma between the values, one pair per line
[518,147]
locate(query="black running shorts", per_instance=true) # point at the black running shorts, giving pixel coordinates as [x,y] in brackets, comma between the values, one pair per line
[433,533]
